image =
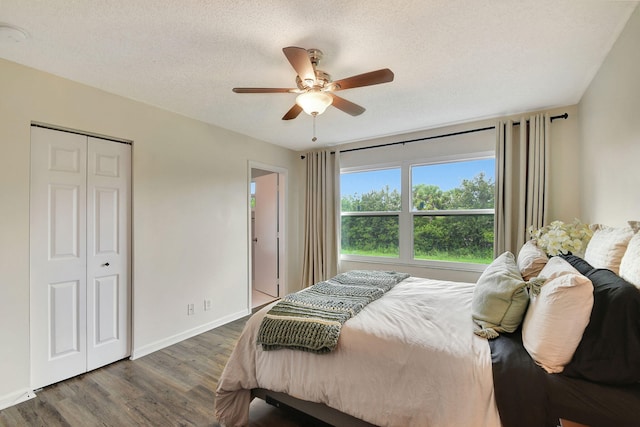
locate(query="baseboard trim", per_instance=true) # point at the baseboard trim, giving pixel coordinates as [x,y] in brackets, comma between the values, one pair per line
[137,353]
[12,399]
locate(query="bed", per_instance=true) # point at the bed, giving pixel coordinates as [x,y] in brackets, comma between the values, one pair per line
[408,358]
[413,358]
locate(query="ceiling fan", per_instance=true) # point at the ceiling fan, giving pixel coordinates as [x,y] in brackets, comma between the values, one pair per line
[315,88]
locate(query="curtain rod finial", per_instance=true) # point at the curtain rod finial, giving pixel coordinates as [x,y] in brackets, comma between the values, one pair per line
[564,116]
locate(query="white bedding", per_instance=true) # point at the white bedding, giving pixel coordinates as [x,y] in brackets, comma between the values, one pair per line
[408,359]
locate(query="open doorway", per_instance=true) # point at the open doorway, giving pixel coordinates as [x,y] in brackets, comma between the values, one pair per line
[267,243]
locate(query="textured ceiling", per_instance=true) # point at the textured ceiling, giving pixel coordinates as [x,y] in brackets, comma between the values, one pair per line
[454,60]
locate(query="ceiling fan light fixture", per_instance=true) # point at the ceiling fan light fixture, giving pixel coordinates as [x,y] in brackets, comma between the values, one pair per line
[314,102]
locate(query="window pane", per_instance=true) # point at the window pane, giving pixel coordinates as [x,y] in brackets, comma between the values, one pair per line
[464,238]
[370,235]
[253,195]
[371,191]
[456,185]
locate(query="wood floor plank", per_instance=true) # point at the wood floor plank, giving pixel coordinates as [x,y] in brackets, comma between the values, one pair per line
[174,386]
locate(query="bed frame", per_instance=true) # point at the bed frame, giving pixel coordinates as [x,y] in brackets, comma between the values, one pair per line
[329,415]
[316,410]
[567,423]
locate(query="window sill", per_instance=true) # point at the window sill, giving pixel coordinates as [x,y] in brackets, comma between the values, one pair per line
[436,265]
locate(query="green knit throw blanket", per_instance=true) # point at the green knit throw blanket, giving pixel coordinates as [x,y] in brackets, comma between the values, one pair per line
[311,319]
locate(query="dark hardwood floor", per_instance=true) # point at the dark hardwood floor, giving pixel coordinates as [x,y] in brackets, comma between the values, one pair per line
[171,387]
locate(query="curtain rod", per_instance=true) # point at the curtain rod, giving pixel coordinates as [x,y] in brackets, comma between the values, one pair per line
[561,116]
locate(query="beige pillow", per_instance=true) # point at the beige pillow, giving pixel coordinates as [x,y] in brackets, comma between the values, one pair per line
[556,319]
[630,264]
[607,246]
[557,267]
[531,260]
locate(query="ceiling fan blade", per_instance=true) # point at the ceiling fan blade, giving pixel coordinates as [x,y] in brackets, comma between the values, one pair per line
[299,59]
[262,90]
[293,112]
[347,106]
[367,79]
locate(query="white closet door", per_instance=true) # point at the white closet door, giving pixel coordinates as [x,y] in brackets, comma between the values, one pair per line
[80,268]
[57,256]
[108,231]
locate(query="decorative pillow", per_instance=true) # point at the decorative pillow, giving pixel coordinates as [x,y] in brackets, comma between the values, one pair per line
[630,264]
[499,298]
[556,318]
[531,260]
[607,246]
[610,348]
[555,267]
[578,263]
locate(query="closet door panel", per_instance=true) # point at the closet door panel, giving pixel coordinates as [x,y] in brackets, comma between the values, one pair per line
[57,256]
[108,269]
[106,309]
[63,319]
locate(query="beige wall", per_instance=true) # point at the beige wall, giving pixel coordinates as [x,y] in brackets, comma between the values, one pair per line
[190,213]
[610,134]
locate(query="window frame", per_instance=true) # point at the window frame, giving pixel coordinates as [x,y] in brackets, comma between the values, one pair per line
[407,213]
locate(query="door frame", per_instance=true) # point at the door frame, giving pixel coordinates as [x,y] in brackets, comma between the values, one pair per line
[283,203]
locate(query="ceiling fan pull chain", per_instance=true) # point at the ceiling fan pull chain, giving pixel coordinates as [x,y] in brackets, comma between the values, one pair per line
[314,139]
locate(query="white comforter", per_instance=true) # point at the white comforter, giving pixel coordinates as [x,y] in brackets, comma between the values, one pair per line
[408,359]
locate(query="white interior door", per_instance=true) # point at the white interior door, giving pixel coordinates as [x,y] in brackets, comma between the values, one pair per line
[266,235]
[79,306]
[57,256]
[108,230]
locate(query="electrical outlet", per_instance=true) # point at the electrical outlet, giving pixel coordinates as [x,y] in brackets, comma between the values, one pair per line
[207,305]
[189,309]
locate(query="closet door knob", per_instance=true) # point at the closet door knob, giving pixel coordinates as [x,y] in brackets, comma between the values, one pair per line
[106,264]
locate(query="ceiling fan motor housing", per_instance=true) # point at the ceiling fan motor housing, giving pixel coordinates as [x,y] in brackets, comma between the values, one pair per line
[322,80]
[315,55]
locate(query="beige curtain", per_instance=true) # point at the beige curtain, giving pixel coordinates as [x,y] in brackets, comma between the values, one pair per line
[522,183]
[321,217]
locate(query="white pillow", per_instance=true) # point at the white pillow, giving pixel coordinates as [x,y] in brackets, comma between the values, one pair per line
[607,246]
[557,267]
[531,260]
[556,318]
[630,264]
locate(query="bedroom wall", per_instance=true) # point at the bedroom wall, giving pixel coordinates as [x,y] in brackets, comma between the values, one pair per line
[190,213]
[564,200]
[610,134]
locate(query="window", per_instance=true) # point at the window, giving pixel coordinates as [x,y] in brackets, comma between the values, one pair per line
[420,212]
[371,206]
[452,211]
[253,195]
